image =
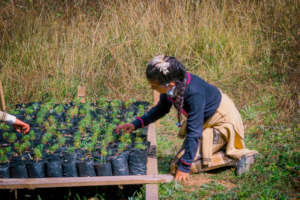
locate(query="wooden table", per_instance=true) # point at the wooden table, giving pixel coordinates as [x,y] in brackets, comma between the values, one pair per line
[151,179]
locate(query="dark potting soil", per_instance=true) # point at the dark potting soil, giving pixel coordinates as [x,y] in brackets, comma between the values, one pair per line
[69,166]
[103,169]
[137,161]
[54,166]
[4,170]
[120,164]
[86,168]
[36,169]
[18,170]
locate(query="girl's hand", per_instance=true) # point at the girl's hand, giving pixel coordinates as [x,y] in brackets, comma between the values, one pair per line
[126,128]
[182,176]
[21,126]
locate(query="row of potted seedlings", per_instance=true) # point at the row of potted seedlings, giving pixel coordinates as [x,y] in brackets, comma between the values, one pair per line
[74,139]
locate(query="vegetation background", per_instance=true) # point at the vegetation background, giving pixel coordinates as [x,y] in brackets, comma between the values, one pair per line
[250,49]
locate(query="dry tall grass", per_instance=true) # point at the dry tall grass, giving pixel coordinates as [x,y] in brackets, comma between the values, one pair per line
[49,47]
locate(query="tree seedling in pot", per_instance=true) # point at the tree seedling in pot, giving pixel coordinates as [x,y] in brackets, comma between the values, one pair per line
[12,138]
[90,147]
[52,121]
[59,109]
[77,139]
[53,148]
[38,152]
[141,110]
[61,141]
[4,127]
[70,150]
[46,137]
[29,110]
[28,118]
[5,135]
[3,159]
[32,135]
[139,144]
[126,139]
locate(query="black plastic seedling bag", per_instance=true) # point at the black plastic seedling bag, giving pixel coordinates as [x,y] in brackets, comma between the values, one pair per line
[103,169]
[54,167]
[36,169]
[120,165]
[18,170]
[86,168]
[137,161]
[69,166]
[4,170]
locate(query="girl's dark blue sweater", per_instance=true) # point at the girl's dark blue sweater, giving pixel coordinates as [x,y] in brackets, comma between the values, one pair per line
[201,101]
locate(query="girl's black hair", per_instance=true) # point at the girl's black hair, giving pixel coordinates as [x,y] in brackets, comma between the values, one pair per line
[165,69]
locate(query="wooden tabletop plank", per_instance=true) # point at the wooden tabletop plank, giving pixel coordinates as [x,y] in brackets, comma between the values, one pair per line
[32,183]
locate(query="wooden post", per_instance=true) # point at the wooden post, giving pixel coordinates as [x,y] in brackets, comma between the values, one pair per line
[152,189]
[2,97]
[81,93]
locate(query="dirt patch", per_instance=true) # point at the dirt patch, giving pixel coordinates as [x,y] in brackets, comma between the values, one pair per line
[198,180]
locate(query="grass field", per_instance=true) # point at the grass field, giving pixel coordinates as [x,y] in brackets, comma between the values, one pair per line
[249,49]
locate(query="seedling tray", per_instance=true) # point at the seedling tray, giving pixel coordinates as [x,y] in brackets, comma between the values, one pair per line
[150,177]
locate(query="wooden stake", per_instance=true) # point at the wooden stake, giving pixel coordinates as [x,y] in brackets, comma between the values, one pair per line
[3,107]
[81,93]
[152,189]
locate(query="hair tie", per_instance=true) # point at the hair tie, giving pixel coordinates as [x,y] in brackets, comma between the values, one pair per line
[163,67]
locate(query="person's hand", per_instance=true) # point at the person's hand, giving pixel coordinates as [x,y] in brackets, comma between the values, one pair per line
[182,176]
[21,126]
[125,127]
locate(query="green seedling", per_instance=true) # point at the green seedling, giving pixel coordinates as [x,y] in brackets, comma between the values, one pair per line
[53,148]
[26,138]
[141,110]
[8,149]
[37,154]
[59,108]
[127,104]
[103,152]
[73,112]
[12,138]
[116,121]
[126,139]
[4,127]
[140,146]
[32,135]
[46,138]
[26,145]
[90,147]
[101,101]
[62,141]
[52,120]
[77,139]
[5,135]
[29,110]
[3,159]
[70,150]
[2,152]
[51,130]
[28,117]
[35,106]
